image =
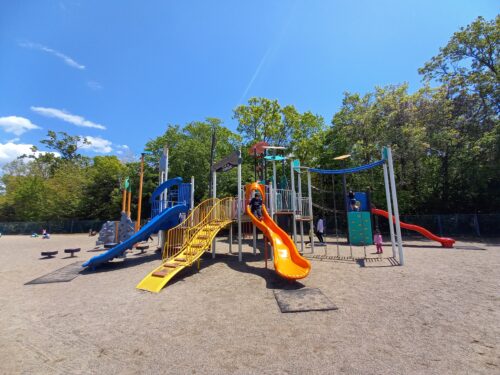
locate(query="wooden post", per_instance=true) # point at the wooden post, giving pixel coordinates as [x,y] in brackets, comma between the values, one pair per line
[129,202]
[124,199]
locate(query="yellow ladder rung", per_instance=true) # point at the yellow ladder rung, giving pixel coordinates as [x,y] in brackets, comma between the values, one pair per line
[170,265]
[161,273]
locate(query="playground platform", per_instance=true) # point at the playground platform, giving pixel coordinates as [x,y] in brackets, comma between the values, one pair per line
[437,314]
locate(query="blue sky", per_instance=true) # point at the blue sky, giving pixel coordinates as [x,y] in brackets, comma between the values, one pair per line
[120,71]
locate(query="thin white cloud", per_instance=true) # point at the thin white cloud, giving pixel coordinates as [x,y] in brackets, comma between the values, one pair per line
[254,76]
[65,58]
[10,151]
[94,85]
[97,144]
[120,149]
[273,47]
[68,117]
[16,125]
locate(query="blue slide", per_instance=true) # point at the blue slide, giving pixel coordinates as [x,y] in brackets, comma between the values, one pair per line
[163,221]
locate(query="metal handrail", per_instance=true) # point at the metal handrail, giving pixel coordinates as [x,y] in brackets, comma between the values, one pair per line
[216,212]
[178,236]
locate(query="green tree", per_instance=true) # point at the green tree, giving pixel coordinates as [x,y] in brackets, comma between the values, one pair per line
[469,63]
[190,149]
[102,193]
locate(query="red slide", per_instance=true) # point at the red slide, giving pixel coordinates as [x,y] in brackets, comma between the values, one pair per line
[445,242]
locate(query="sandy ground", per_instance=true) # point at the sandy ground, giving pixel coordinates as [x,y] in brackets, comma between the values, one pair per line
[439,314]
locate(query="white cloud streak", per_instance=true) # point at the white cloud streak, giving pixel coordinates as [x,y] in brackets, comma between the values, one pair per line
[273,47]
[16,125]
[65,58]
[68,117]
[97,144]
[10,151]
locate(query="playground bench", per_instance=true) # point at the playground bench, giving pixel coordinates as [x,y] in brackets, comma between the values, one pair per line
[49,254]
[142,248]
[72,251]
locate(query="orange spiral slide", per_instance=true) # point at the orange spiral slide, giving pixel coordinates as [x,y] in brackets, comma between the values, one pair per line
[445,241]
[288,262]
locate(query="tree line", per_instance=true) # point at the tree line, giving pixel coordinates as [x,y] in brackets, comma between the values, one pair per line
[445,139]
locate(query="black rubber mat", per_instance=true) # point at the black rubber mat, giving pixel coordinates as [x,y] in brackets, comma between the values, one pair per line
[301,300]
[64,274]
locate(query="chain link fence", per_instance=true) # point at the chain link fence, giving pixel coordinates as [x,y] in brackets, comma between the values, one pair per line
[455,225]
[449,225]
[53,227]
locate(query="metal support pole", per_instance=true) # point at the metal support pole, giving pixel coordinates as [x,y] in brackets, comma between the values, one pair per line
[191,198]
[344,199]
[231,238]
[311,222]
[272,201]
[271,205]
[274,175]
[389,210]
[294,203]
[301,224]
[395,203]
[239,206]
[165,178]
[214,195]
[265,251]
[162,236]
[254,239]
[139,200]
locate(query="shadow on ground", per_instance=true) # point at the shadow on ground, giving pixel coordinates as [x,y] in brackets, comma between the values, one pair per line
[132,260]
[273,281]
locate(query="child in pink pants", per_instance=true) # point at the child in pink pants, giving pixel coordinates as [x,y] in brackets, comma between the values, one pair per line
[377,240]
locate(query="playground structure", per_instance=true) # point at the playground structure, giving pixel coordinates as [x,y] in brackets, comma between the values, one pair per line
[288,263]
[359,222]
[187,242]
[444,241]
[178,202]
[170,200]
[187,232]
[359,215]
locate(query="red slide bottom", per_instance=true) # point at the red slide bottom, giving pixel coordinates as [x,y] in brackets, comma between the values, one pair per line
[445,241]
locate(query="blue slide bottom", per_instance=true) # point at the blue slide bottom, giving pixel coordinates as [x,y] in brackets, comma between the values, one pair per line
[166,220]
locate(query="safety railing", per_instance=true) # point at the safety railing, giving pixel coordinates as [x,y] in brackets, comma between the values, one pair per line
[210,215]
[283,200]
[158,206]
[303,207]
[178,236]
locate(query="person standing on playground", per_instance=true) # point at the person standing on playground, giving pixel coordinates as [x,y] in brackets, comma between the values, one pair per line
[320,227]
[352,200]
[256,205]
[377,240]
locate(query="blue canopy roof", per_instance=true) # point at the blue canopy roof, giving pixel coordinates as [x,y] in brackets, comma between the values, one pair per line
[347,170]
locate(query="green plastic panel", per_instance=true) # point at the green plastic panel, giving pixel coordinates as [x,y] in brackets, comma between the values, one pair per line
[360,228]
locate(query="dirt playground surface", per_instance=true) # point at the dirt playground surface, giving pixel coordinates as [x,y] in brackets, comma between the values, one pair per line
[439,314]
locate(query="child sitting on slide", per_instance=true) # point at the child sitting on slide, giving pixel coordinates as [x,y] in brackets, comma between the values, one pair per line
[256,205]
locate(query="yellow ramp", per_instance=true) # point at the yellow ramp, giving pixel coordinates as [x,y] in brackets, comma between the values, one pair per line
[190,252]
[156,280]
